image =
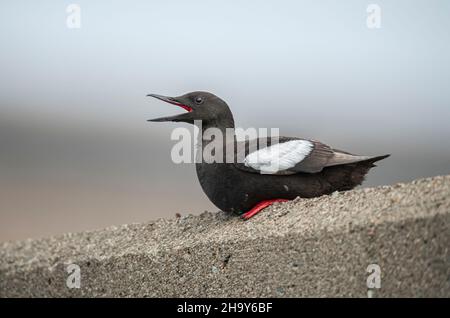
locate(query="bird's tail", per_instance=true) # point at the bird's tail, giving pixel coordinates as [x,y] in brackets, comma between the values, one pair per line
[348,176]
[375,159]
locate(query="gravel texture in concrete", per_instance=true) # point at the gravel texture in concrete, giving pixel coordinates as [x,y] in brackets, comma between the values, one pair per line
[306,247]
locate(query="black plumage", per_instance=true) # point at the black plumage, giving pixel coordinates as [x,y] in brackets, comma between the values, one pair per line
[238,186]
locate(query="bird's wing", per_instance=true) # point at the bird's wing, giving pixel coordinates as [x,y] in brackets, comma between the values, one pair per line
[291,156]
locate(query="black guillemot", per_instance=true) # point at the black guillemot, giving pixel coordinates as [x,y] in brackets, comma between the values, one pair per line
[289,168]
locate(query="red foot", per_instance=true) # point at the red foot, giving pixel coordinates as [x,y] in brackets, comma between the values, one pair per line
[260,206]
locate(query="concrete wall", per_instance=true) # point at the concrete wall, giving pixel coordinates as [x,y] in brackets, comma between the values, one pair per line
[307,247]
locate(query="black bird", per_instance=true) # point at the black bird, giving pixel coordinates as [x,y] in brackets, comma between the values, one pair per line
[274,171]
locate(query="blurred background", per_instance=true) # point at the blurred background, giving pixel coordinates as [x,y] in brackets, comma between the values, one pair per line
[76,152]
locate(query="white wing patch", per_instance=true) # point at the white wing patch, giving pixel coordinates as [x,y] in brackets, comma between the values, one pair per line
[281,156]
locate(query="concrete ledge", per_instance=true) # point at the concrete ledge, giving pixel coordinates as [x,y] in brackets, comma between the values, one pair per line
[307,247]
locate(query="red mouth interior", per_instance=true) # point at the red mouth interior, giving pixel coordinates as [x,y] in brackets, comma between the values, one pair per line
[189,109]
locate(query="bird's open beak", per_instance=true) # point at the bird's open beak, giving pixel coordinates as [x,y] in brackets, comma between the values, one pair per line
[186,117]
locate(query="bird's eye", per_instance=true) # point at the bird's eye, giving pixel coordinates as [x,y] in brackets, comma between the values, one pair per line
[199,100]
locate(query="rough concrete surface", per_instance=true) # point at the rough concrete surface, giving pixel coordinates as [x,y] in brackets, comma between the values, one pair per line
[307,247]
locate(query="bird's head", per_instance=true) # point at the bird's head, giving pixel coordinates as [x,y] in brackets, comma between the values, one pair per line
[204,106]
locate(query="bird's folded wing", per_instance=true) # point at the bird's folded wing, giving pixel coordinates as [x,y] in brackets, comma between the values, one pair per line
[288,156]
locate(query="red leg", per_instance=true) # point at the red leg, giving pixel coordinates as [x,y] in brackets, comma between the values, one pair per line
[260,206]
